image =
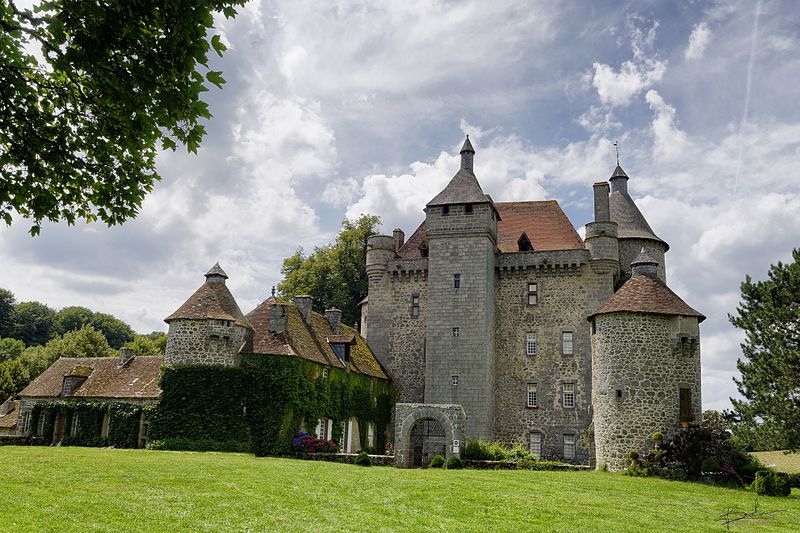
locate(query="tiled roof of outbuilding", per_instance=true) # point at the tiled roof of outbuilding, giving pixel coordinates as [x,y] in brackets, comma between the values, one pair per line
[138,378]
[211,300]
[543,222]
[310,342]
[9,420]
[645,294]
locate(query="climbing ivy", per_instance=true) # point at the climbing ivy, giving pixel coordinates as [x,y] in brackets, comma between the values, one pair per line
[123,430]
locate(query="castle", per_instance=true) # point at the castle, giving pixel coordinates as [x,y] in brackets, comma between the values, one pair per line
[496,321]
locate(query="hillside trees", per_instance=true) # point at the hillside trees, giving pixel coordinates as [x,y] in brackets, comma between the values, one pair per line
[33,323]
[89,92]
[334,275]
[7,302]
[769,314]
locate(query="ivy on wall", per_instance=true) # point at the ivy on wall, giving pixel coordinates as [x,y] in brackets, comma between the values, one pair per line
[264,402]
[123,429]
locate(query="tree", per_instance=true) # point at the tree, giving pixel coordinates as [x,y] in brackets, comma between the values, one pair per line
[769,314]
[81,122]
[115,330]
[10,349]
[33,323]
[153,344]
[334,275]
[71,318]
[7,302]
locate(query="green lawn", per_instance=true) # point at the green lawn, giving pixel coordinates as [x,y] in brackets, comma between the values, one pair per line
[85,489]
[783,462]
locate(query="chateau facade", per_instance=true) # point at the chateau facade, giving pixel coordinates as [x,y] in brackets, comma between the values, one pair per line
[496,321]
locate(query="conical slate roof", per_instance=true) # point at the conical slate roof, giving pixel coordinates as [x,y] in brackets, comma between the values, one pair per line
[631,222]
[645,294]
[211,300]
[216,270]
[467,146]
[462,189]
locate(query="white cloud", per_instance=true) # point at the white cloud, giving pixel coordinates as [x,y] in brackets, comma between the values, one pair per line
[669,142]
[698,40]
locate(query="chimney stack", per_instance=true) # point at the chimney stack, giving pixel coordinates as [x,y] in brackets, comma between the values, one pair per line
[304,303]
[601,209]
[278,317]
[334,317]
[125,355]
[399,238]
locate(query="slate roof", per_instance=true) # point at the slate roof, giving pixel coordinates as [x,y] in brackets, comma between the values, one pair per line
[9,419]
[310,342]
[645,294]
[216,270]
[211,300]
[544,223]
[623,210]
[467,146]
[462,189]
[137,379]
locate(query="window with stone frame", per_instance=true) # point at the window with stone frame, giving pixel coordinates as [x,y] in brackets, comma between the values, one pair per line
[40,423]
[25,423]
[454,381]
[73,429]
[532,396]
[569,446]
[456,281]
[530,343]
[567,343]
[533,293]
[456,332]
[415,306]
[324,429]
[535,445]
[568,395]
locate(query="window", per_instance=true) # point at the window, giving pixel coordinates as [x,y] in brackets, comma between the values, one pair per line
[685,397]
[71,383]
[104,427]
[524,243]
[568,395]
[415,306]
[341,350]
[73,430]
[325,372]
[530,344]
[40,424]
[569,446]
[25,422]
[467,208]
[456,281]
[532,398]
[456,332]
[455,381]
[324,429]
[445,210]
[566,343]
[594,327]
[533,293]
[370,434]
[423,250]
[536,445]
[619,394]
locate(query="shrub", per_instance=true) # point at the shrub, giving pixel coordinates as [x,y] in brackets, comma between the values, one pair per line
[362,459]
[454,463]
[710,466]
[794,480]
[658,436]
[437,461]
[632,457]
[768,483]
[602,467]
[481,450]
[303,442]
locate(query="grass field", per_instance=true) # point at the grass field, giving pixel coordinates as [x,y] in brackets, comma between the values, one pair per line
[782,461]
[86,489]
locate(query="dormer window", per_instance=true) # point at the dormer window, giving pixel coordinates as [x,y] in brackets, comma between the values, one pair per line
[524,243]
[71,384]
[423,250]
[341,350]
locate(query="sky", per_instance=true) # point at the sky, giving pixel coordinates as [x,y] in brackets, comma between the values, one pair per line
[339,108]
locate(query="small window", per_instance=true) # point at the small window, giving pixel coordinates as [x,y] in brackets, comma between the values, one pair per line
[569,446]
[105,426]
[73,430]
[594,327]
[456,332]
[619,394]
[455,381]
[566,343]
[568,395]
[326,372]
[40,424]
[533,293]
[536,445]
[415,306]
[467,208]
[524,243]
[25,422]
[456,281]
[532,398]
[530,344]
[341,350]
[445,210]
[423,250]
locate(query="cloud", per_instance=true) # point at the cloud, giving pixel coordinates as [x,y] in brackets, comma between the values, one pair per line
[698,40]
[668,141]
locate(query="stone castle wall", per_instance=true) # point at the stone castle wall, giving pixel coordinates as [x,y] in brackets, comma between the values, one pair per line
[406,358]
[203,342]
[565,297]
[648,358]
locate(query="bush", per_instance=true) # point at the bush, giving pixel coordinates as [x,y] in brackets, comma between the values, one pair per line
[710,466]
[303,442]
[658,436]
[362,459]
[768,483]
[437,461]
[481,450]
[794,480]
[454,463]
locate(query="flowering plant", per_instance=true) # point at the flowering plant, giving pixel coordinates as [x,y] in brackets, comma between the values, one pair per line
[303,442]
[389,449]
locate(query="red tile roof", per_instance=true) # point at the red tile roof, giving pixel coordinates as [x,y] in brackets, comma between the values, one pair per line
[137,379]
[643,294]
[211,300]
[545,224]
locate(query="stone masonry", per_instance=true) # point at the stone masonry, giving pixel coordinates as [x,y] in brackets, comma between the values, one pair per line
[204,342]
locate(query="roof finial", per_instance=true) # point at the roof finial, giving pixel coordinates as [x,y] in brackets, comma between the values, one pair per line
[273,290]
[616,147]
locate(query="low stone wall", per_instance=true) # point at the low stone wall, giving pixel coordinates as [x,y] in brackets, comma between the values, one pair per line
[510,465]
[344,458]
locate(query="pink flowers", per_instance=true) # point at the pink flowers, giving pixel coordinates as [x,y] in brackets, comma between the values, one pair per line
[303,442]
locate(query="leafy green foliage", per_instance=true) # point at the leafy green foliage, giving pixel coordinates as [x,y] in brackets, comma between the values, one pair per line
[334,275]
[199,445]
[454,462]
[362,459]
[7,302]
[10,349]
[481,450]
[123,427]
[437,462]
[769,314]
[152,344]
[81,123]
[74,318]
[33,323]
[768,483]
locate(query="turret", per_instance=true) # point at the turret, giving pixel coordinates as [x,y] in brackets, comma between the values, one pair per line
[209,328]
[380,250]
[645,365]
[601,235]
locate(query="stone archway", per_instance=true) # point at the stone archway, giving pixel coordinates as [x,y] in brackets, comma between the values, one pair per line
[424,430]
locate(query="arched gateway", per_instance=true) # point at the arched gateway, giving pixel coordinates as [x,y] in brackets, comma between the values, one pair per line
[425,430]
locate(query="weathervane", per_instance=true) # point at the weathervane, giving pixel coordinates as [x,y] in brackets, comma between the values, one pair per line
[616,147]
[273,290]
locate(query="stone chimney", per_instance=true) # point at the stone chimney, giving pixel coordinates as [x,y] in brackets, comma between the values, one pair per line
[601,209]
[278,317]
[644,265]
[125,355]
[399,238]
[304,303]
[334,317]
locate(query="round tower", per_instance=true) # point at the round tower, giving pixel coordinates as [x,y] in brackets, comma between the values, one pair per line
[645,365]
[209,328]
[380,250]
